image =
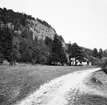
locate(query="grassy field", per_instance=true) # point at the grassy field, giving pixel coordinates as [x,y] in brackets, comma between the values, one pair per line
[18,81]
[87,99]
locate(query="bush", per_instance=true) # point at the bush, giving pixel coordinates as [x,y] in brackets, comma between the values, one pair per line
[95,61]
[104,62]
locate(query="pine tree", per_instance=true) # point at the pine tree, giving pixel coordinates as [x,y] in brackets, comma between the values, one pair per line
[95,53]
[58,54]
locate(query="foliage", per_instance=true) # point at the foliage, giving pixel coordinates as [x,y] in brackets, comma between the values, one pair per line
[43,22]
[87,53]
[94,60]
[48,42]
[75,51]
[105,53]
[36,51]
[58,54]
[1,58]
[6,42]
[17,43]
[20,46]
[95,53]
[100,53]
[103,63]
[11,16]
[44,54]
[8,45]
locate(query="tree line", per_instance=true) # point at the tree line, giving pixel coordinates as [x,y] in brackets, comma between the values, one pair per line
[18,46]
[15,48]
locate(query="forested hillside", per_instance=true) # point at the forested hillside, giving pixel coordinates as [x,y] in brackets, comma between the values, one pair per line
[26,39]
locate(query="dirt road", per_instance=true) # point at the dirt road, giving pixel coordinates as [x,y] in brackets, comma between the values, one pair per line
[63,90]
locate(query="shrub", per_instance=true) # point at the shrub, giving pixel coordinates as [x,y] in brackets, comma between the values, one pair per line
[104,62]
[95,61]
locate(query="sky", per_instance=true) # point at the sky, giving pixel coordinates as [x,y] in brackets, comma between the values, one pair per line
[80,21]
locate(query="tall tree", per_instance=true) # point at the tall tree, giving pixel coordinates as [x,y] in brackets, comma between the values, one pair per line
[105,53]
[26,50]
[76,51]
[43,52]
[100,53]
[58,54]
[6,42]
[48,42]
[95,53]
[8,45]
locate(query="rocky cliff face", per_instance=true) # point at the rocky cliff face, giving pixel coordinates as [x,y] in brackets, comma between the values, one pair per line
[26,26]
[27,30]
[40,30]
[23,23]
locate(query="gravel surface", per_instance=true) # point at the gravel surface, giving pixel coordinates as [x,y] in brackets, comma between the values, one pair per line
[78,88]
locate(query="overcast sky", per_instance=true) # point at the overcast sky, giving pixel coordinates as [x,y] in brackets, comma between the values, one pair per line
[80,21]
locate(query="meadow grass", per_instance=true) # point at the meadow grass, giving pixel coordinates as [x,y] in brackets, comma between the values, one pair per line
[16,82]
[87,99]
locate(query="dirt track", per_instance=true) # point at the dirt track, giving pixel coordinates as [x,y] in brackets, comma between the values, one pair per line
[66,90]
